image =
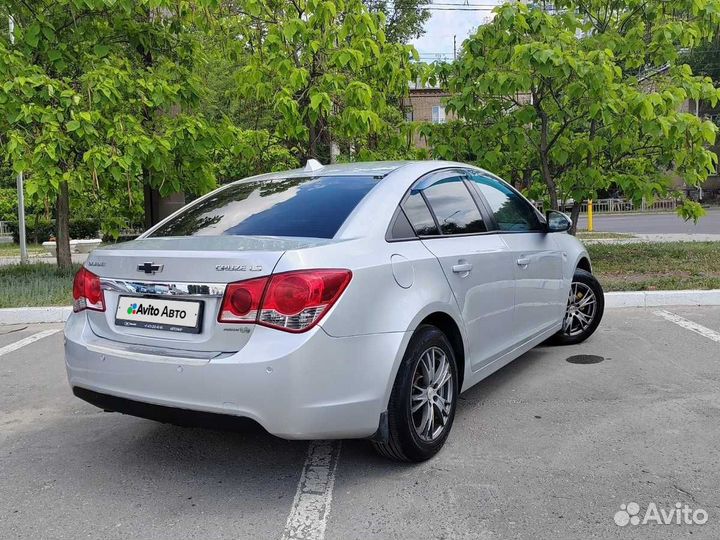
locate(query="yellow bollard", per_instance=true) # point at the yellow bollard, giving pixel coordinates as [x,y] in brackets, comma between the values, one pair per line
[590,216]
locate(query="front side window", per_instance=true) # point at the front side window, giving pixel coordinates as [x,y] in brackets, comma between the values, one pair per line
[511,211]
[454,207]
[438,114]
[301,207]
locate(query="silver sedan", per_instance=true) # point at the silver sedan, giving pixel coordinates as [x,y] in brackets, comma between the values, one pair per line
[338,301]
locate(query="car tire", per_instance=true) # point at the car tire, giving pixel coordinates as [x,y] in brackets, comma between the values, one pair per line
[418,435]
[584,311]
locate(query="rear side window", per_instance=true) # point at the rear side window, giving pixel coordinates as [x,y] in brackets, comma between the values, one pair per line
[511,211]
[454,207]
[305,207]
[419,215]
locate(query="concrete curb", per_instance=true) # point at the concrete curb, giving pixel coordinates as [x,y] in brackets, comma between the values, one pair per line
[662,298]
[33,315]
[612,300]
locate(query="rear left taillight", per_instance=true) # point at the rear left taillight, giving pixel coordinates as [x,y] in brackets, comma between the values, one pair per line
[241,302]
[292,301]
[87,292]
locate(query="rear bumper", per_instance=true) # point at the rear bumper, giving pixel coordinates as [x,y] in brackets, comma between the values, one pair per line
[296,386]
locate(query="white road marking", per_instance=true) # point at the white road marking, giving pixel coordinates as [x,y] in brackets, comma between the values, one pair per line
[28,340]
[311,507]
[689,325]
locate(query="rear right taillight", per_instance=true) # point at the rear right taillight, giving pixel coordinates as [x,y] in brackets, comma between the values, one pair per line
[291,301]
[87,292]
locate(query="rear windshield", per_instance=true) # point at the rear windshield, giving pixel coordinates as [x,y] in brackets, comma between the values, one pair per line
[308,207]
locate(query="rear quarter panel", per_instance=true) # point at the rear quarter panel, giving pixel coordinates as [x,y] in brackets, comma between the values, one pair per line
[374,301]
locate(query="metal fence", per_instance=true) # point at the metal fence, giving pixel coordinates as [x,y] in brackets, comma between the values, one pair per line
[619,205]
[5,229]
[623,205]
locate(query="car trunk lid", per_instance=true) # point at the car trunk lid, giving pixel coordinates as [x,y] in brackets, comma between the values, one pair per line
[170,272]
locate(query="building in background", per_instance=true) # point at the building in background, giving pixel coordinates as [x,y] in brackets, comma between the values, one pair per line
[426,105]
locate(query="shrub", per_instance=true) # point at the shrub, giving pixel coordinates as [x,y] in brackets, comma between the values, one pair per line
[41,230]
[8,204]
[81,229]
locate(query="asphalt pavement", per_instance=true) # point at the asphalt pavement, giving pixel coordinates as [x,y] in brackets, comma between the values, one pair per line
[544,448]
[660,223]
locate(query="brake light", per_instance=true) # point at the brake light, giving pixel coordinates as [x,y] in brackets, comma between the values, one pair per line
[242,301]
[87,292]
[292,301]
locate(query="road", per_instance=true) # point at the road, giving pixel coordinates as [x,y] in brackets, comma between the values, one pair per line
[542,449]
[653,223]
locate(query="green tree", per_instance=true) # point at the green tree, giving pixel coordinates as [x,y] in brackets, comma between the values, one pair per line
[404,19]
[99,96]
[583,98]
[327,71]
[705,59]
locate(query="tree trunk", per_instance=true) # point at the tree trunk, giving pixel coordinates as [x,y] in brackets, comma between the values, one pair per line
[62,228]
[157,207]
[574,216]
[545,158]
[312,141]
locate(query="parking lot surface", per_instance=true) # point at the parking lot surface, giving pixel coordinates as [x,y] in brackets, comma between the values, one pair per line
[544,448]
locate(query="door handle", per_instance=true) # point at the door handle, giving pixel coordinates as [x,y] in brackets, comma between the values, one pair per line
[463,268]
[523,261]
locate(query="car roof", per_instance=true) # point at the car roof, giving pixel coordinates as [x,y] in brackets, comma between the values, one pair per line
[362,168]
[378,169]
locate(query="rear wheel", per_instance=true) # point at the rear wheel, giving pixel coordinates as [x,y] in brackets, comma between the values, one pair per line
[586,303]
[422,404]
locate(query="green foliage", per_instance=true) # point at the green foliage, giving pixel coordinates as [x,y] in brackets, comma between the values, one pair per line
[584,99]
[326,70]
[404,20]
[41,230]
[100,94]
[8,204]
[36,231]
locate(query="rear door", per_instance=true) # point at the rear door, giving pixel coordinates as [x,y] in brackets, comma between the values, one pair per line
[475,262]
[537,258]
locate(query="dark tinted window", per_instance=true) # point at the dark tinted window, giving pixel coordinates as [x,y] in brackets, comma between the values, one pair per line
[454,207]
[419,215]
[310,207]
[512,212]
[401,227]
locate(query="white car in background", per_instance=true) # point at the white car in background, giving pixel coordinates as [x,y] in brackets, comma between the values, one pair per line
[338,301]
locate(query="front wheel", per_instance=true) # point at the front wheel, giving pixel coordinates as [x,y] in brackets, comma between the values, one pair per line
[586,303]
[423,399]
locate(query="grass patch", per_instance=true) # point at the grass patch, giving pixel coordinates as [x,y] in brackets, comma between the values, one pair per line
[657,266]
[13,250]
[36,284]
[585,235]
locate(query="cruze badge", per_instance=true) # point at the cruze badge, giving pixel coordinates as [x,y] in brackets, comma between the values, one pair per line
[238,268]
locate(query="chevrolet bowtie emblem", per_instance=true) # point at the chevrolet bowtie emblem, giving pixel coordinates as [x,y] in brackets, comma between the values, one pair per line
[149,268]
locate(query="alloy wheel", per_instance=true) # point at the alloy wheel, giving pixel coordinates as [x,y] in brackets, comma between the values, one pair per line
[581,309]
[432,394]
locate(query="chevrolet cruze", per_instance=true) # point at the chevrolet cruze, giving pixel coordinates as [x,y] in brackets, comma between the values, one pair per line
[339,301]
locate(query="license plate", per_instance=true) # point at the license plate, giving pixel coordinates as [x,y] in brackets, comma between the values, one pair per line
[170,315]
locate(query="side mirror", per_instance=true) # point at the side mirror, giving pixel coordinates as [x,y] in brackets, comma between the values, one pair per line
[557,221]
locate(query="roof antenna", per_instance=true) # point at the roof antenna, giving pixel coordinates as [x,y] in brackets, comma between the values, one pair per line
[313,165]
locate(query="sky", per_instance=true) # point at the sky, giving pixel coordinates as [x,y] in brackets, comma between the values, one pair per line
[442,25]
